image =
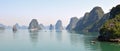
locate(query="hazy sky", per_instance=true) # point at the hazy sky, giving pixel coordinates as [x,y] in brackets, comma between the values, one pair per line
[48,11]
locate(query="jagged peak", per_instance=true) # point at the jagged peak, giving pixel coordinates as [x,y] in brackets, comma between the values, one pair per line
[97,9]
[86,14]
[74,17]
[34,19]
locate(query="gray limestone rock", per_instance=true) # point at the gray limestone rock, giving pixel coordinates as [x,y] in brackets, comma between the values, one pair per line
[58,26]
[89,19]
[72,23]
[34,25]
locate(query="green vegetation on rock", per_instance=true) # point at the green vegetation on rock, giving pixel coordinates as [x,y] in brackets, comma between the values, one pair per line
[111,28]
[114,11]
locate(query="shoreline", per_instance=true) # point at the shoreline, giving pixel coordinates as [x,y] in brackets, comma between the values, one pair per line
[100,38]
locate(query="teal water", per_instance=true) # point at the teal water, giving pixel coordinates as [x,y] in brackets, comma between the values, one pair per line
[23,40]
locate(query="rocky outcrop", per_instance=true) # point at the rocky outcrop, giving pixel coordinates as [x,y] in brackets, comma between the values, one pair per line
[15,28]
[97,25]
[58,26]
[34,25]
[72,23]
[89,19]
[51,27]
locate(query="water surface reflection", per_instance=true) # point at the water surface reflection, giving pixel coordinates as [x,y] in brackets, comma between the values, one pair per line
[76,39]
[53,41]
[33,37]
[58,36]
[107,46]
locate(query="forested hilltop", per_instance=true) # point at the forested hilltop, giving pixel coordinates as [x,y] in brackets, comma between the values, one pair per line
[110,30]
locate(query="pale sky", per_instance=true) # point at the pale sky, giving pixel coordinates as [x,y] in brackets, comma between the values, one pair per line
[48,11]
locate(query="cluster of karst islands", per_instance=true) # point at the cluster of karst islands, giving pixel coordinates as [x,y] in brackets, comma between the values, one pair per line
[107,24]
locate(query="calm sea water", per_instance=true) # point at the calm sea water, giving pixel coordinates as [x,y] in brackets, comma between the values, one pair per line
[23,40]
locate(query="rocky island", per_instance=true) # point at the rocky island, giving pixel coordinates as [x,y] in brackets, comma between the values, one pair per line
[58,26]
[34,25]
[110,30]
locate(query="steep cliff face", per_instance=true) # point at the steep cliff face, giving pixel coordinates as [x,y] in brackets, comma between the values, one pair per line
[34,25]
[96,27]
[89,19]
[80,24]
[72,23]
[58,26]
